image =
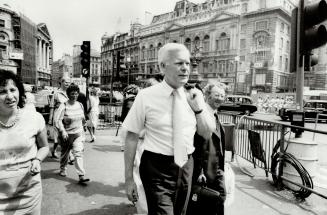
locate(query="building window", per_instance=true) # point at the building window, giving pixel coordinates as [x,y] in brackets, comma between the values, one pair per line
[2,23]
[151,52]
[243,44]
[244,7]
[280,62]
[260,79]
[223,43]
[286,64]
[282,26]
[188,43]
[243,28]
[143,53]
[206,43]
[205,67]
[281,43]
[261,56]
[261,25]
[261,41]
[287,29]
[287,46]
[196,43]
[262,4]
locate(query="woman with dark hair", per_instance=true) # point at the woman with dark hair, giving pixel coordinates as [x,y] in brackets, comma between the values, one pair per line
[23,145]
[71,120]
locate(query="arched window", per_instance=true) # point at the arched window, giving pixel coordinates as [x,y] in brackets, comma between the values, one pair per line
[158,47]
[223,42]
[206,43]
[151,52]
[187,43]
[196,43]
[143,55]
[136,54]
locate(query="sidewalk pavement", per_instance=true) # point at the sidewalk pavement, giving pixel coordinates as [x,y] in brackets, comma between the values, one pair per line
[255,196]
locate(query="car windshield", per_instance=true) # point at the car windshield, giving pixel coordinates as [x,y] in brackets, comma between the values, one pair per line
[41,100]
[238,100]
[316,104]
[322,105]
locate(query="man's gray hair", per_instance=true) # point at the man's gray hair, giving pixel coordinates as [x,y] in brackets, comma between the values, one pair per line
[164,51]
[208,88]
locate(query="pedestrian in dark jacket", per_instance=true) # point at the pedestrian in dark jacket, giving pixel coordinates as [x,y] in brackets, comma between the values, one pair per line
[209,155]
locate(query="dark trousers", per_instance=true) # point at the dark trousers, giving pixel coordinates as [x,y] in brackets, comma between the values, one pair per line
[159,175]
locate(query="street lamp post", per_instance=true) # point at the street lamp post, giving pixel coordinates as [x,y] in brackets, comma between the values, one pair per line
[236,60]
[195,77]
[128,60]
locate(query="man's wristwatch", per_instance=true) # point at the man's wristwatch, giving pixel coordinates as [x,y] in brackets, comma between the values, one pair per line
[36,159]
[198,112]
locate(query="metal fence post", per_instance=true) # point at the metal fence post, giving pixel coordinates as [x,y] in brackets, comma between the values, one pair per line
[281,164]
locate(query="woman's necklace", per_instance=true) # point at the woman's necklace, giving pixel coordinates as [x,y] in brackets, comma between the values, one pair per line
[13,122]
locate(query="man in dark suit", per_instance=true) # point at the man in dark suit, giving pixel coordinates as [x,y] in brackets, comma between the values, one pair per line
[209,155]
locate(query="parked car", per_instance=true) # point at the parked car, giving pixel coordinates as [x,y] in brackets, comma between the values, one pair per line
[238,103]
[311,108]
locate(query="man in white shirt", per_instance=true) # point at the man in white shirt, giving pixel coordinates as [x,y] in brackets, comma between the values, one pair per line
[166,185]
[58,98]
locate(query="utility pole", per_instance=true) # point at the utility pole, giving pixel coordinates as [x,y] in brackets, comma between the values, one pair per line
[112,77]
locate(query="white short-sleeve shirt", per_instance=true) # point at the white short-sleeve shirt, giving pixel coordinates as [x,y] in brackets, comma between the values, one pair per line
[152,111]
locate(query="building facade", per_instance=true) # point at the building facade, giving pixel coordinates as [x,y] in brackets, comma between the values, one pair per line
[244,44]
[26,48]
[44,55]
[95,68]
[127,45]
[62,68]
[95,65]
[11,52]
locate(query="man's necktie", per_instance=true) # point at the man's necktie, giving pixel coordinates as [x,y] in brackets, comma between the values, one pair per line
[180,153]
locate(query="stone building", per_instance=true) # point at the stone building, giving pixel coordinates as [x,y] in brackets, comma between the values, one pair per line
[95,65]
[44,55]
[26,48]
[127,44]
[62,68]
[242,43]
[11,53]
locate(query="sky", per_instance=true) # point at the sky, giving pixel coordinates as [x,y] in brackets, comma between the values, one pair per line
[71,21]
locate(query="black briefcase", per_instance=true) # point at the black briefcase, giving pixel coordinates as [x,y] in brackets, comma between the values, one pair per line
[204,200]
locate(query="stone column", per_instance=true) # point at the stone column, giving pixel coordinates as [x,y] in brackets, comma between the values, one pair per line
[40,53]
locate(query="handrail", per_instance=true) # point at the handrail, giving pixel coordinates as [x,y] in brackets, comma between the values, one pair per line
[316,122]
[280,123]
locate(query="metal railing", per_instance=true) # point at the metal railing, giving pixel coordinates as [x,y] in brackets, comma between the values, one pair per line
[109,114]
[270,133]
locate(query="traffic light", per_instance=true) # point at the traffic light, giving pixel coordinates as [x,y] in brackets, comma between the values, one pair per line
[86,58]
[120,64]
[310,61]
[307,33]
